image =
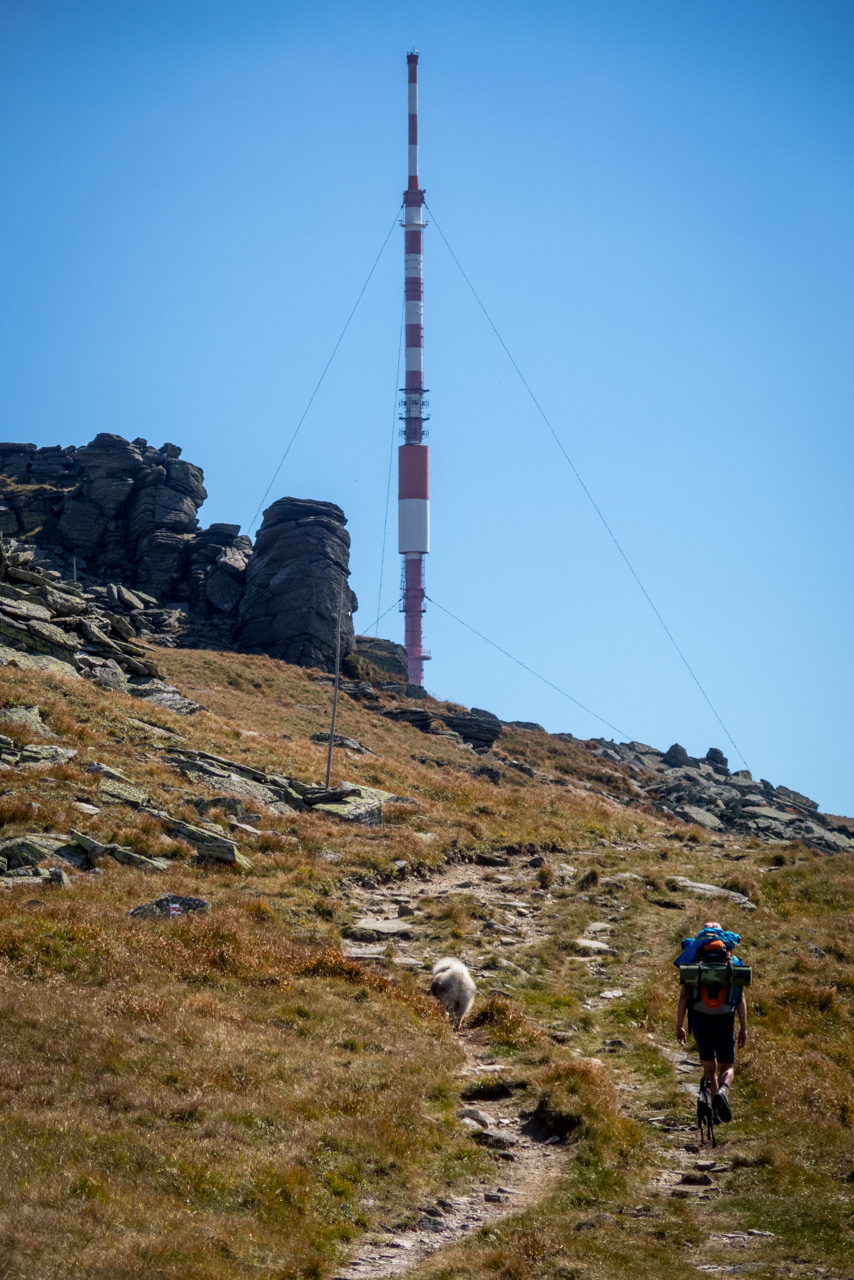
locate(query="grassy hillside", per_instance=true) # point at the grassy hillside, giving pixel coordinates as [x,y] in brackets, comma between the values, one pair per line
[257,1092]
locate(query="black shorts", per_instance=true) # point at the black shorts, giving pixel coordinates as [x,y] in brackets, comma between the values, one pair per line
[714,1034]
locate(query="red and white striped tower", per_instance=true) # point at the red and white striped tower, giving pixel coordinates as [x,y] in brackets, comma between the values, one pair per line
[413,455]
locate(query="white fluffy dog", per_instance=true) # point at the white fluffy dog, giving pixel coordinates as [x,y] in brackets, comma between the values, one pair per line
[453,986]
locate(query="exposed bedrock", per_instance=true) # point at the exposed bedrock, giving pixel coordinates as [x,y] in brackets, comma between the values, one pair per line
[705,793]
[124,513]
[293,585]
[385,655]
[125,510]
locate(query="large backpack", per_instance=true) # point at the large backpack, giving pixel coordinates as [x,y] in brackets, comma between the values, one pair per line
[712,974]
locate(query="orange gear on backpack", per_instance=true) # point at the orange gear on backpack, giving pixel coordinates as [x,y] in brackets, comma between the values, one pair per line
[714,952]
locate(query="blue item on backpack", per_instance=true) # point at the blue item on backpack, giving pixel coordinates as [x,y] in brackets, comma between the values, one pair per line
[691,947]
[699,949]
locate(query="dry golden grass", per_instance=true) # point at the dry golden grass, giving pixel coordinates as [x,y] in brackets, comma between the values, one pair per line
[219,1096]
[790,1150]
[203,1095]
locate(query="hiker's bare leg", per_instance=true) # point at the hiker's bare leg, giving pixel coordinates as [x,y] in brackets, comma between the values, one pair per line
[726,1074]
[709,1074]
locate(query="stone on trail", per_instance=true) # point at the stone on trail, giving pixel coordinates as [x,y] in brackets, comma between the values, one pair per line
[713,891]
[500,1139]
[593,945]
[479,1117]
[371,929]
[363,952]
[489,859]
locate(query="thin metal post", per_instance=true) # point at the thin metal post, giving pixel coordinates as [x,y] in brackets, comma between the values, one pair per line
[74,567]
[335,693]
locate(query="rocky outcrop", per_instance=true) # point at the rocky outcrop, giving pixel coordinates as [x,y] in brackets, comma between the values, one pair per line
[705,793]
[477,728]
[293,585]
[66,628]
[385,655]
[121,514]
[124,509]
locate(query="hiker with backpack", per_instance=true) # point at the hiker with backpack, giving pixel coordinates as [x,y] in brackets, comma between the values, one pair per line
[712,994]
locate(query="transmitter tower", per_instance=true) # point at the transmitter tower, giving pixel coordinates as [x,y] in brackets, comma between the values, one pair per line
[413,455]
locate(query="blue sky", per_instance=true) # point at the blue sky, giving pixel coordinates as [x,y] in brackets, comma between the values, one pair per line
[653,200]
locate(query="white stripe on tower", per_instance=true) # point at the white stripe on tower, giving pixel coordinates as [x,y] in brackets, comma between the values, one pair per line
[413,455]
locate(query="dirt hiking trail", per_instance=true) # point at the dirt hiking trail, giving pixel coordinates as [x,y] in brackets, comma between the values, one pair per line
[526,1163]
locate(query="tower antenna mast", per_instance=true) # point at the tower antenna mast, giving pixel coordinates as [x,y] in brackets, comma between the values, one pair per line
[413,454]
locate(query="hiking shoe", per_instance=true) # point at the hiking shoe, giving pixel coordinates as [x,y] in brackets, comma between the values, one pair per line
[721,1109]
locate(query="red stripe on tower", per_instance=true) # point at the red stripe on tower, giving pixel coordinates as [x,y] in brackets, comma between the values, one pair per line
[413,455]
[414,471]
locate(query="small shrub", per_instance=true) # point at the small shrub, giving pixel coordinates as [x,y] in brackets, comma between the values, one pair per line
[578,1097]
[770,1155]
[743,884]
[262,912]
[504,1025]
[89,1189]
[16,809]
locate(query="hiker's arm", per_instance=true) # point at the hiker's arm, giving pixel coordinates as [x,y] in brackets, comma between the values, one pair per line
[742,1021]
[680,1015]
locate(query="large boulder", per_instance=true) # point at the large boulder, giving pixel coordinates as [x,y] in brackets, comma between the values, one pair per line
[218,563]
[676,756]
[385,655]
[293,585]
[478,727]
